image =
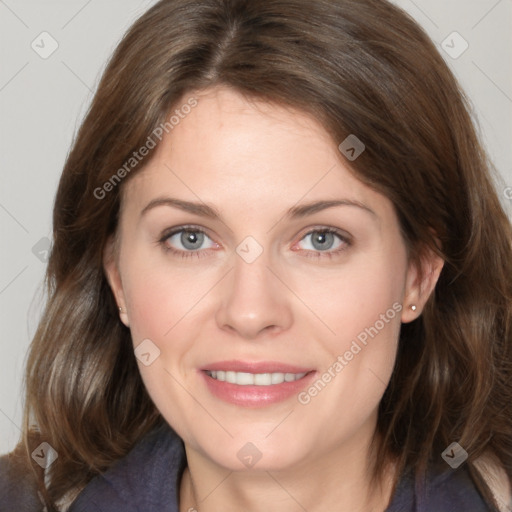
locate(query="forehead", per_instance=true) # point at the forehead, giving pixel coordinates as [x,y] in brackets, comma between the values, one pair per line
[245,153]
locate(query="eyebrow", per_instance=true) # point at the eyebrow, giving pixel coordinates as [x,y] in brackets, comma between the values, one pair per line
[299,211]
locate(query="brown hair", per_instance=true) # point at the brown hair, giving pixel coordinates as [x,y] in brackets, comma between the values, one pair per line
[360,67]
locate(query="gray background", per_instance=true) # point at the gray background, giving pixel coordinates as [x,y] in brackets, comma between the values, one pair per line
[43,100]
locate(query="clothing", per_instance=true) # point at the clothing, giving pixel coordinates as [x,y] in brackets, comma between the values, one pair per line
[17,490]
[147,480]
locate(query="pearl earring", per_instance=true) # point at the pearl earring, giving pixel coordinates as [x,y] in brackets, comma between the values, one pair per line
[120,309]
[413,307]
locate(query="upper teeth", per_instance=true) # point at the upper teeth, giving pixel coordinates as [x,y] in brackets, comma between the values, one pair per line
[257,379]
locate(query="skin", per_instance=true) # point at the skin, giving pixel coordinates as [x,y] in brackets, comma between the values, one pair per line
[253,161]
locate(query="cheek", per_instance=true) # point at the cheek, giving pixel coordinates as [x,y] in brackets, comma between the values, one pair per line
[160,297]
[162,304]
[166,304]
[353,297]
[361,306]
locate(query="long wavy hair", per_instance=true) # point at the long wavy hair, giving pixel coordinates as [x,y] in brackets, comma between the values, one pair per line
[360,67]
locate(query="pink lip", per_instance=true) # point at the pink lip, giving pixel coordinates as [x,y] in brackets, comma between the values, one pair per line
[256,367]
[255,396]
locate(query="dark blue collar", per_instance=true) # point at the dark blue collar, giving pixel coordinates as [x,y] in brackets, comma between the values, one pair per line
[147,480]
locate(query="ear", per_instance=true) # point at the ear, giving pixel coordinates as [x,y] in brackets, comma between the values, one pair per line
[111,269]
[420,283]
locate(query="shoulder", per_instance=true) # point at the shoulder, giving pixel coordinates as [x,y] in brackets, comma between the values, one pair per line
[443,489]
[18,488]
[448,489]
[145,479]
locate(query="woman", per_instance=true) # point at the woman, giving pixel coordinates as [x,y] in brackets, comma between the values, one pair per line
[280,278]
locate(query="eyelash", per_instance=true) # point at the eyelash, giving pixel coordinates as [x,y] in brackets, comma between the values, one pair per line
[204,252]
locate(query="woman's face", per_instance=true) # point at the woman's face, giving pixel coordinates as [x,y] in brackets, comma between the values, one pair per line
[256,291]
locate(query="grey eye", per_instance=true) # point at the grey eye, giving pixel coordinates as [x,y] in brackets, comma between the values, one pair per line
[322,240]
[191,240]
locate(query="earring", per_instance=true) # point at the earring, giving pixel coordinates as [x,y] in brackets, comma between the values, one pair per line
[413,307]
[120,309]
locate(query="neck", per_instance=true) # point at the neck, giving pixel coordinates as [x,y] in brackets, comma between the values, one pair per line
[339,480]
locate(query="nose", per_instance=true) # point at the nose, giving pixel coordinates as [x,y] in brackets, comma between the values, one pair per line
[254,301]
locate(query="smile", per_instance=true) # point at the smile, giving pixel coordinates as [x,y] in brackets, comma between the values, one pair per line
[254,379]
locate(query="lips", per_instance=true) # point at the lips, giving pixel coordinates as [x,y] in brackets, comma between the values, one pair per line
[255,384]
[256,367]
